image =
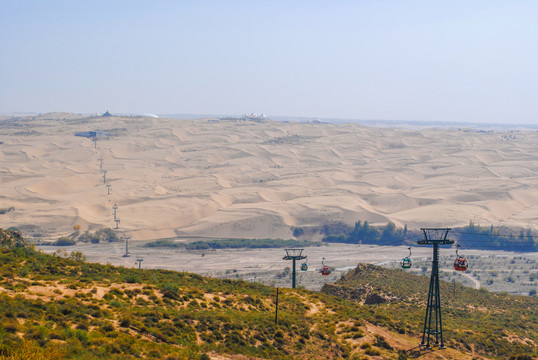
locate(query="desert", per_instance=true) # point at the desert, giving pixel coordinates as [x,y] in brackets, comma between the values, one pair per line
[248,180]
[239,178]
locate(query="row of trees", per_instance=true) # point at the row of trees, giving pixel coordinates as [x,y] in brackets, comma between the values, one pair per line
[364,233]
[101,235]
[478,237]
[232,244]
[470,236]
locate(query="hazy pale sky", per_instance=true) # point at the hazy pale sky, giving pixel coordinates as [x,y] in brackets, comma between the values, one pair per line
[393,60]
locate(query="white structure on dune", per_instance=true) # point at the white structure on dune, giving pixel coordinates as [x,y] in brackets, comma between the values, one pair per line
[254,116]
[151,115]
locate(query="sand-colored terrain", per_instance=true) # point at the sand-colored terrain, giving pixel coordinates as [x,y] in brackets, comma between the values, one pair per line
[251,179]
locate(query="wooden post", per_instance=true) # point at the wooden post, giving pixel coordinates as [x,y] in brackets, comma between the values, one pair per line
[276,312]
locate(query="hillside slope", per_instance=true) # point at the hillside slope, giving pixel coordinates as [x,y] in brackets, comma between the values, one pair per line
[478,321]
[60,307]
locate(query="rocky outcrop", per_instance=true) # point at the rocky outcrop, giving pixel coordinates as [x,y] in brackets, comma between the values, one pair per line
[376,298]
[345,292]
[11,239]
[364,294]
[357,285]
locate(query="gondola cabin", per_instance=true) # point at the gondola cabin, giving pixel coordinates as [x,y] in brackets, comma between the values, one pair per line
[304,266]
[461,264]
[325,270]
[405,263]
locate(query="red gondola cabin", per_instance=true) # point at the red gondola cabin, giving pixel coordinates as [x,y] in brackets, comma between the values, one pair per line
[461,264]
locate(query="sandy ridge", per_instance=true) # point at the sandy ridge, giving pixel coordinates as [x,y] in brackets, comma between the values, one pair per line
[248,179]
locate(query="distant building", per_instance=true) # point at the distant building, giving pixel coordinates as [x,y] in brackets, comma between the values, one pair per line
[247,117]
[107,114]
[254,117]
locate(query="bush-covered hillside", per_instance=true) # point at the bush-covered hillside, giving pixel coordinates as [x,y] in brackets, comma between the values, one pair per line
[473,320]
[60,307]
[90,311]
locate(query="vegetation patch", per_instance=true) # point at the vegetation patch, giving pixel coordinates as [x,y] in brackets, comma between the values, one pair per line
[233,244]
[6,210]
[489,323]
[57,306]
[471,236]
[101,235]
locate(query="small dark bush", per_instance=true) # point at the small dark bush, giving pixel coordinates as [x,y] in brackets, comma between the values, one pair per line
[64,241]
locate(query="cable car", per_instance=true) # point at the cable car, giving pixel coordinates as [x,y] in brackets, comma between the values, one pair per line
[325,269]
[460,263]
[304,266]
[406,261]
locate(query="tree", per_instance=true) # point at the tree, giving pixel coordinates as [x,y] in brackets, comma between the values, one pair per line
[391,233]
[64,241]
[107,234]
[368,234]
[298,232]
[77,256]
[88,237]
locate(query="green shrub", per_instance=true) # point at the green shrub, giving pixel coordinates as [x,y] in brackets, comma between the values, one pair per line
[373,351]
[78,256]
[32,350]
[64,241]
[107,234]
[125,322]
[170,290]
[521,357]
[88,237]
[116,303]
[132,279]
[381,342]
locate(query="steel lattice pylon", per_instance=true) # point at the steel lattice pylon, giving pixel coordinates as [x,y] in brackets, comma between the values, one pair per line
[433,324]
[294,254]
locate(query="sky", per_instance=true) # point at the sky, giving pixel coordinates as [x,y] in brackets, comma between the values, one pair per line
[464,61]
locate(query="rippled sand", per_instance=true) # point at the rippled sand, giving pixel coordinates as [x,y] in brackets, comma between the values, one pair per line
[249,179]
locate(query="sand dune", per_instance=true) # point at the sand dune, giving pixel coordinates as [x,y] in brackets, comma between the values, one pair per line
[258,179]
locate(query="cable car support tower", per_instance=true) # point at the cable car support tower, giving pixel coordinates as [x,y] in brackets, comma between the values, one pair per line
[294,254]
[433,325]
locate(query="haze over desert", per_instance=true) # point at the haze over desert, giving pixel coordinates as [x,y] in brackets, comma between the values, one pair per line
[257,179]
